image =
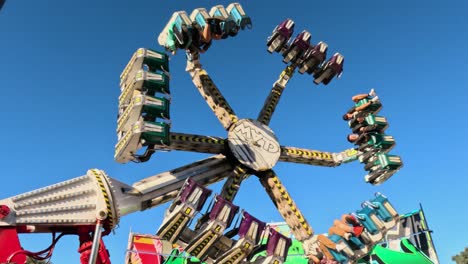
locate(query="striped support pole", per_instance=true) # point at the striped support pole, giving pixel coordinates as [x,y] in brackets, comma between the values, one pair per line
[213,97]
[275,94]
[288,209]
[232,184]
[307,156]
[197,143]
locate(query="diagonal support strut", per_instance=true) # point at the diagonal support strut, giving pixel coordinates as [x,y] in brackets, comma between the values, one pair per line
[213,97]
[275,94]
[197,143]
[286,206]
[233,182]
[316,157]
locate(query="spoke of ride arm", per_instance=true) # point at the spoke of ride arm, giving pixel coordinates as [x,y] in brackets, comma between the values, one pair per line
[286,206]
[275,94]
[197,143]
[347,155]
[164,187]
[213,97]
[307,156]
[232,184]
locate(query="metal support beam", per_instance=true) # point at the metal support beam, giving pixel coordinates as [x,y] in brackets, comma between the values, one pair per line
[96,243]
[163,187]
[308,156]
[286,206]
[275,94]
[197,143]
[213,97]
[232,184]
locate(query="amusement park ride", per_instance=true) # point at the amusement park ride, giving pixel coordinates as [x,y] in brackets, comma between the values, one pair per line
[91,206]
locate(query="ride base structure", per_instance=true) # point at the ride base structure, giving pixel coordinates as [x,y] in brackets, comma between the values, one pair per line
[91,206]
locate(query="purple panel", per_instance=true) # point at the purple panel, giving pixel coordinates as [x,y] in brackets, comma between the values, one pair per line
[187,189]
[220,203]
[301,42]
[246,222]
[338,68]
[316,53]
[284,30]
[190,186]
[273,240]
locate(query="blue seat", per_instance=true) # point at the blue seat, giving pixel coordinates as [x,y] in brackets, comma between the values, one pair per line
[364,217]
[341,258]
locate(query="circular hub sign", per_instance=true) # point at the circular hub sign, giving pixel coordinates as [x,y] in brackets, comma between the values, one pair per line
[254,144]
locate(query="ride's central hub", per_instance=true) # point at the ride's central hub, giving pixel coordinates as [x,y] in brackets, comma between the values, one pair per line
[254,144]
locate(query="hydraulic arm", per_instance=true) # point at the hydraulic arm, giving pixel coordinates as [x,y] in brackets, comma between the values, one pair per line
[95,202]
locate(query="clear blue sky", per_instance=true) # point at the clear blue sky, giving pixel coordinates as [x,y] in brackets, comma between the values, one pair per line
[59,72]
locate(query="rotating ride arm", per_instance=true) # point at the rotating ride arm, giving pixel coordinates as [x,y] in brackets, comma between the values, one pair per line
[318,158]
[163,187]
[197,31]
[197,143]
[213,97]
[232,184]
[285,205]
[275,94]
[176,141]
[201,28]
[297,53]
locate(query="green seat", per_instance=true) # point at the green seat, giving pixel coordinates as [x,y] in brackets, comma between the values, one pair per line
[156,133]
[373,108]
[377,123]
[143,105]
[156,107]
[200,16]
[384,161]
[154,60]
[377,141]
[145,82]
[152,82]
[171,37]
[141,134]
